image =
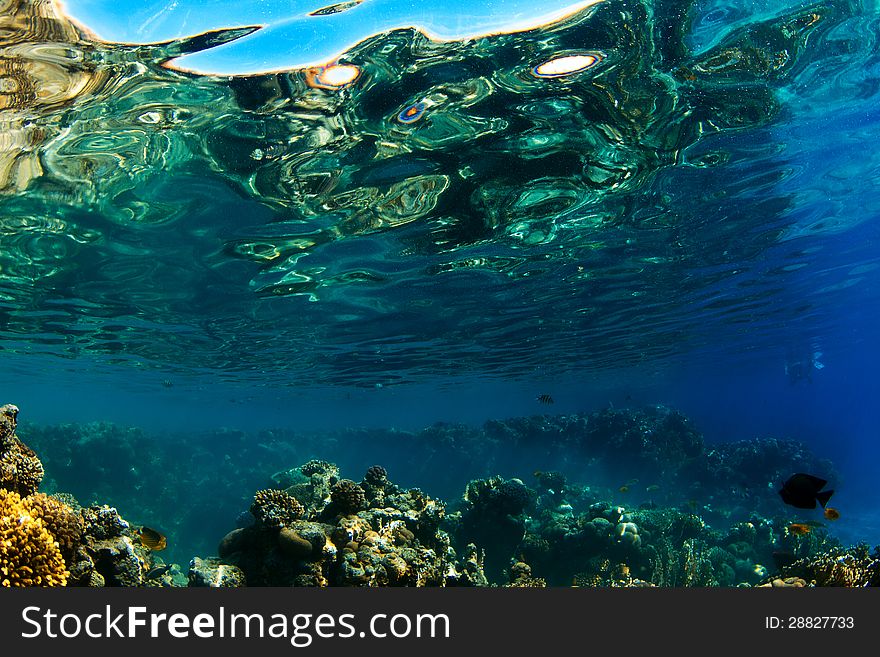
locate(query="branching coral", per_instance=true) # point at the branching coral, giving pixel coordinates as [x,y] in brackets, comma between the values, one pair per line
[60,520]
[853,567]
[29,554]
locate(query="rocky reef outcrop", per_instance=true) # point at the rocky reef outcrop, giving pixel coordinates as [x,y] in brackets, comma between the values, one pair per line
[344,533]
[50,540]
[665,509]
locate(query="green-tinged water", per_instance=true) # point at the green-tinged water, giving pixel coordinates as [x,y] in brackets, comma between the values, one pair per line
[186,221]
[589,304]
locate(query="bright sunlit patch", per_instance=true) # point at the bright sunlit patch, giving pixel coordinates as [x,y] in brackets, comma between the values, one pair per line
[412,113]
[336,76]
[566,65]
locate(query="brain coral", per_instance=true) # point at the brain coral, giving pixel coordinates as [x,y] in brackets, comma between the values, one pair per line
[29,554]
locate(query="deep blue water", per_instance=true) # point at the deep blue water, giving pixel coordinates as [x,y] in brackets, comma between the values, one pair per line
[454,269]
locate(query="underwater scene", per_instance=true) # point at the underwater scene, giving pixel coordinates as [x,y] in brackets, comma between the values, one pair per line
[384,294]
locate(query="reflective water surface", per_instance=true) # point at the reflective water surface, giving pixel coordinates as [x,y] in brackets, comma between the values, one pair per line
[611,189]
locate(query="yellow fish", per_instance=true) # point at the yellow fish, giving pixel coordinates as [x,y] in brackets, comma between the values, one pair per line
[152,539]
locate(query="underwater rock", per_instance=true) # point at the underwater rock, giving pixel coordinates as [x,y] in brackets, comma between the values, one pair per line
[293,544]
[103,522]
[234,541]
[788,582]
[492,518]
[118,561]
[396,544]
[215,574]
[110,549]
[99,461]
[470,570]
[734,476]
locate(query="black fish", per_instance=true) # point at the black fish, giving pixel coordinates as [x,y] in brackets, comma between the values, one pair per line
[158,571]
[545,399]
[802,491]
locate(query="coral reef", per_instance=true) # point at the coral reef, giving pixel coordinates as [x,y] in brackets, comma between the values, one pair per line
[376,476]
[110,553]
[29,554]
[317,467]
[604,572]
[148,475]
[213,573]
[20,469]
[856,566]
[61,520]
[520,576]
[492,516]
[275,509]
[788,582]
[686,514]
[347,497]
[52,540]
[350,540]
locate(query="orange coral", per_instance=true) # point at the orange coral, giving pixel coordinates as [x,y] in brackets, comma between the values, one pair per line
[29,554]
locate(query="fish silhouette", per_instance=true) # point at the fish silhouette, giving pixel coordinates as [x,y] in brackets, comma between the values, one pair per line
[802,491]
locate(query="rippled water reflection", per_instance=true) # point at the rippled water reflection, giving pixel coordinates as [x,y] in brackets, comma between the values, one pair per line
[597,191]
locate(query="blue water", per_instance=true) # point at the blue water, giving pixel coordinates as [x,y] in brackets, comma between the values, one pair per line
[453,270]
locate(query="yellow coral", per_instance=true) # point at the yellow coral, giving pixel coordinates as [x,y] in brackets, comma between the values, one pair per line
[29,554]
[59,519]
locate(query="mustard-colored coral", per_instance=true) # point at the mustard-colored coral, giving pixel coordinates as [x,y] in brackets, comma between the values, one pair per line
[29,554]
[59,519]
